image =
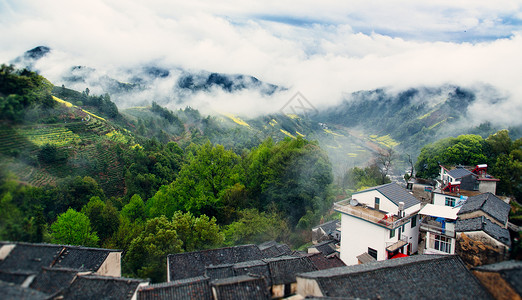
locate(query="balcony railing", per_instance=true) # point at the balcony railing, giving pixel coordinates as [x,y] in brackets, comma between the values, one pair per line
[429,226]
[372,215]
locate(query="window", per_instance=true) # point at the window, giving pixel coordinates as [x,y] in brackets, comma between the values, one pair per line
[392,233]
[414,221]
[450,202]
[372,252]
[440,242]
[377,202]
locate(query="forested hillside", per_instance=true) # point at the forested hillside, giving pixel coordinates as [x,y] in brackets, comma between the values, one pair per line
[140,180]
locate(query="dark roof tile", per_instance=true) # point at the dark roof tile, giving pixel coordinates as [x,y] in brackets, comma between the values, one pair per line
[283,269]
[192,264]
[483,224]
[53,280]
[488,203]
[241,287]
[12,291]
[321,262]
[16,277]
[93,287]
[83,258]
[197,288]
[414,277]
[32,257]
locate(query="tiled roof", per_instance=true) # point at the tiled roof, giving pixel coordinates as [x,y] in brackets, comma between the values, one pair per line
[321,262]
[192,264]
[240,288]
[326,247]
[510,270]
[459,173]
[219,271]
[284,269]
[395,193]
[83,258]
[31,257]
[414,277]
[483,224]
[197,288]
[274,249]
[16,277]
[53,280]
[253,267]
[329,226]
[12,291]
[366,258]
[27,256]
[488,203]
[93,287]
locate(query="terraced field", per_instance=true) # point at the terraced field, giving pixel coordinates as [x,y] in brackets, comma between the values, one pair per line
[49,134]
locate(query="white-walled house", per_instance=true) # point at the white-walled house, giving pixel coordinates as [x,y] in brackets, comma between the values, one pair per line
[438,228]
[381,221]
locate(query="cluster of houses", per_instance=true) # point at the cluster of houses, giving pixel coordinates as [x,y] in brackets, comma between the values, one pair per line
[447,239]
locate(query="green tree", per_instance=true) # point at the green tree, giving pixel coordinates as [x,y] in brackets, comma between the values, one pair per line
[197,233]
[147,255]
[135,209]
[104,218]
[256,227]
[464,149]
[200,185]
[73,228]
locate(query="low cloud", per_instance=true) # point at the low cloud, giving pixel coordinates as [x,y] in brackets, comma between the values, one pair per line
[325,50]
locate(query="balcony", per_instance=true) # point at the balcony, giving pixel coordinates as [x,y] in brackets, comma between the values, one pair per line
[370,214]
[429,224]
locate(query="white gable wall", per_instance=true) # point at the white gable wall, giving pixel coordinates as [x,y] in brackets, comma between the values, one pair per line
[368,198]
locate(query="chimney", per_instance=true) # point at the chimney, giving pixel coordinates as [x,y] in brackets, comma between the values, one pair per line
[401,209]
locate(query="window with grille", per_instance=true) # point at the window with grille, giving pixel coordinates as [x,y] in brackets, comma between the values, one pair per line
[440,242]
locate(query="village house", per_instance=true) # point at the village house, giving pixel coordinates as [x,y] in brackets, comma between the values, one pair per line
[379,222]
[437,229]
[20,257]
[467,178]
[326,231]
[414,277]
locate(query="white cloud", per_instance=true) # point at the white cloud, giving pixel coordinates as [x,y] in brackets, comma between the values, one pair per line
[337,47]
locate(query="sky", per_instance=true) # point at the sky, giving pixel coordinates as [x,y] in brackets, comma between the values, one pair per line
[323,49]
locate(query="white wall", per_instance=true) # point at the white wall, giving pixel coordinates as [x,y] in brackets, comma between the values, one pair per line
[440,199]
[368,198]
[357,235]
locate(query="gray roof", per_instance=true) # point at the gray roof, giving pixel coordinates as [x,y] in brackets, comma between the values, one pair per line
[254,267]
[189,289]
[365,258]
[16,277]
[12,291]
[28,256]
[322,262]
[395,193]
[511,272]
[329,226]
[240,288]
[274,249]
[283,270]
[219,271]
[483,224]
[94,287]
[414,277]
[459,173]
[192,264]
[83,258]
[488,203]
[31,257]
[53,280]
[326,247]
